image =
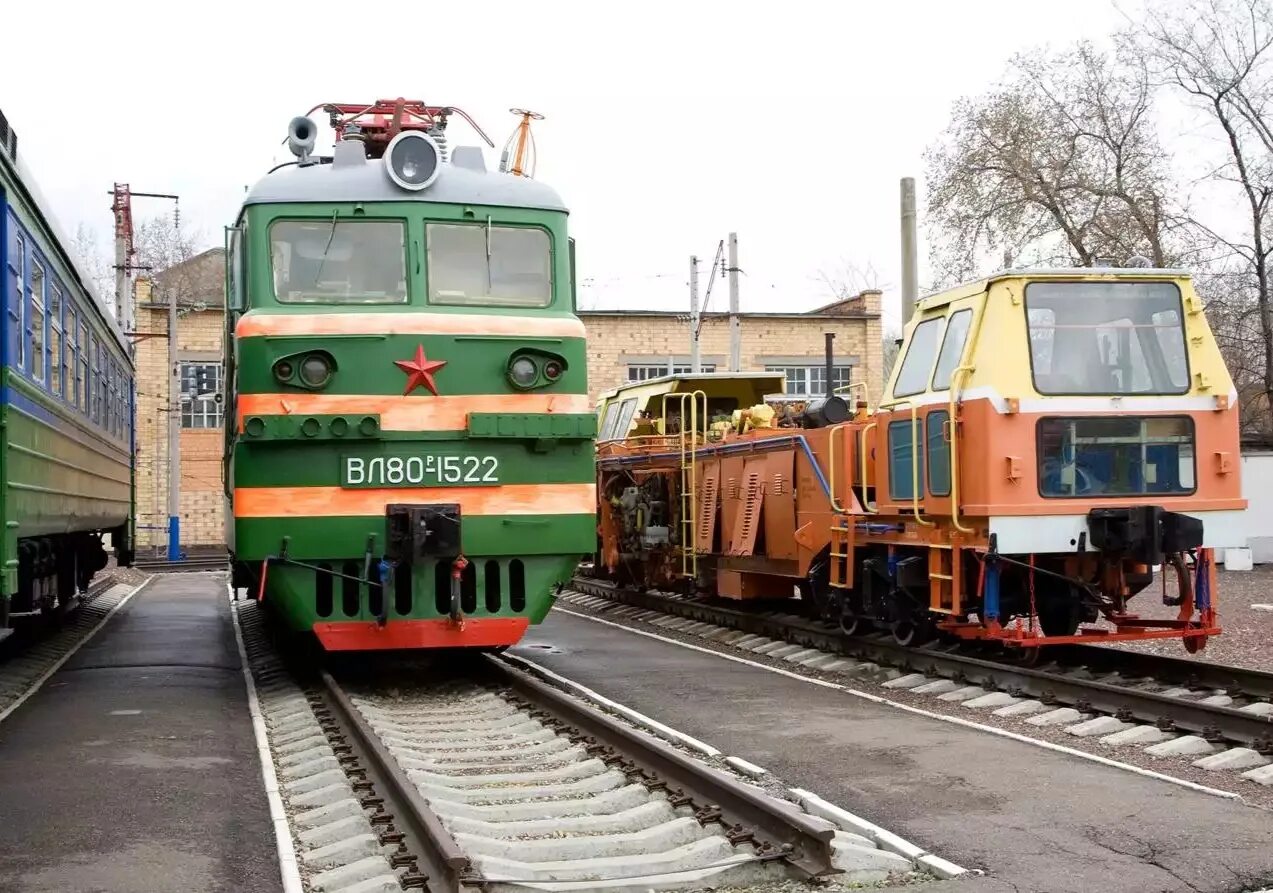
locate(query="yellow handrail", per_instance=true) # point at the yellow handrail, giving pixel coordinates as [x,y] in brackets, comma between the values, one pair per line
[954,451]
[963,369]
[862,457]
[835,503]
[914,459]
[856,384]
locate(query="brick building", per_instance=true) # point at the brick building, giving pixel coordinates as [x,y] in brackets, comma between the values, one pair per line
[198,286]
[633,345]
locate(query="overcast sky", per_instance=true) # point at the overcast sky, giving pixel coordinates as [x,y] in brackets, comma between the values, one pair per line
[667,124]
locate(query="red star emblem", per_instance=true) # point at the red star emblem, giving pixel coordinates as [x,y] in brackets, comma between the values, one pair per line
[420,371]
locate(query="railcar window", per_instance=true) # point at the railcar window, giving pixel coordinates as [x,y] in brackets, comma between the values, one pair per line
[1106,338]
[488,265]
[55,340]
[37,321]
[918,362]
[339,261]
[69,364]
[17,263]
[1116,456]
[85,356]
[952,348]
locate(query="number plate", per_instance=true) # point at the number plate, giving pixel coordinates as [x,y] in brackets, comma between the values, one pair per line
[419,471]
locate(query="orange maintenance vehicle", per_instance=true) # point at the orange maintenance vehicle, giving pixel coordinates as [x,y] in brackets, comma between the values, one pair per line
[1048,442]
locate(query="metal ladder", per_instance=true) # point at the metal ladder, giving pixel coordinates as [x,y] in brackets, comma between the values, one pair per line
[843,529]
[688,443]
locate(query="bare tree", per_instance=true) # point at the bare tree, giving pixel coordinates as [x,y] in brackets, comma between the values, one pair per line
[1058,164]
[167,249]
[849,280]
[94,262]
[1219,54]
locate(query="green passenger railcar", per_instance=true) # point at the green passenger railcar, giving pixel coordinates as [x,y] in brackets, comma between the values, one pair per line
[409,453]
[66,410]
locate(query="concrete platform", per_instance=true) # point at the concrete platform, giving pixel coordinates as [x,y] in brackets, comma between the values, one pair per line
[134,768]
[1033,819]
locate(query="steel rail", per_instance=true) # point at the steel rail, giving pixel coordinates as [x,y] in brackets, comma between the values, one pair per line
[1089,695]
[446,868]
[803,841]
[162,566]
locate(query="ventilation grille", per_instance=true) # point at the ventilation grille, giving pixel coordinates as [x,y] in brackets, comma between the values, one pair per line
[8,138]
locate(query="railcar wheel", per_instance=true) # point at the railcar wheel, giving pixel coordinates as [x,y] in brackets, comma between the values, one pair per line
[1060,614]
[855,626]
[909,633]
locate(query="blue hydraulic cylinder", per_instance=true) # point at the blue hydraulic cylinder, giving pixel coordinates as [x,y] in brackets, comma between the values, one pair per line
[992,590]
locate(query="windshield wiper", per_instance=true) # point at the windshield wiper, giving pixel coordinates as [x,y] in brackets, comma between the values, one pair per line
[330,235]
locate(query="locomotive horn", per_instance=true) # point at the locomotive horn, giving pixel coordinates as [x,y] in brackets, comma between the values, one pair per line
[301,134]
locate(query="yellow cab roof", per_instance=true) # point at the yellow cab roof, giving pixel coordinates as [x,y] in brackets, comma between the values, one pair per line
[748,388]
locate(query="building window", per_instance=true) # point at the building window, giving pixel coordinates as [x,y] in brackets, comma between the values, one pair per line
[811,381]
[200,383]
[644,372]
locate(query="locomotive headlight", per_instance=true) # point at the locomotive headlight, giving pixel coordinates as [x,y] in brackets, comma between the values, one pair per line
[315,370]
[412,160]
[523,372]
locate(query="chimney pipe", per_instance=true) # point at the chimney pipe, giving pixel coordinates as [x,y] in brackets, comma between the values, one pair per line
[830,362]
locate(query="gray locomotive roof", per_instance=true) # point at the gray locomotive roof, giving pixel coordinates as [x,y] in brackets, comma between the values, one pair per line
[462,181]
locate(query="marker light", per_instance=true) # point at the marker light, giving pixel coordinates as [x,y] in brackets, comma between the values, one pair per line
[523,372]
[552,370]
[315,370]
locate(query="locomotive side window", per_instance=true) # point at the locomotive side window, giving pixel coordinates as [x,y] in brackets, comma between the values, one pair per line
[918,362]
[339,261]
[1106,338]
[952,348]
[938,452]
[1116,456]
[486,265]
[903,453]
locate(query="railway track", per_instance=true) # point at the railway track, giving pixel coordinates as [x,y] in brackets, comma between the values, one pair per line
[1210,712]
[194,564]
[481,775]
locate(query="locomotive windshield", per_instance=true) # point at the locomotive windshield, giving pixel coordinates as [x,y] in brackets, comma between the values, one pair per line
[478,264]
[1107,338]
[339,261]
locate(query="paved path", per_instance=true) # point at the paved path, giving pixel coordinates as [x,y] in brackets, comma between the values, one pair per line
[1034,819]
[134,768]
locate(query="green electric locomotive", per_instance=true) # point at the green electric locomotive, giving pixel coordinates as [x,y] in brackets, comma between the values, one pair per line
[410,463]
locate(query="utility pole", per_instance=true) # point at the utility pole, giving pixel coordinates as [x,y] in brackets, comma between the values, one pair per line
[695,366]
[126,253]
[174,432]
[910,265]
[735,330]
